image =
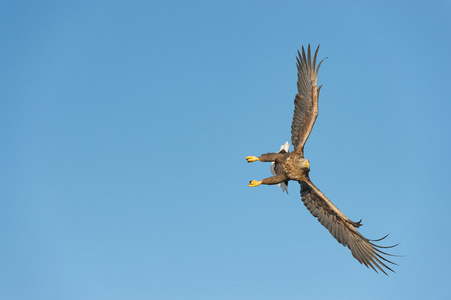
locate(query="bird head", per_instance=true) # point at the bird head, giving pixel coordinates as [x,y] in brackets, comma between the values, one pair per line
[305,163]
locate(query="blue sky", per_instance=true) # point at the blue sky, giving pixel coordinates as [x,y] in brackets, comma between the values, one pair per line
[125,125]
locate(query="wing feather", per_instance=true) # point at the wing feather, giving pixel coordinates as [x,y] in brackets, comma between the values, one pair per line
[306,100]
[344,230]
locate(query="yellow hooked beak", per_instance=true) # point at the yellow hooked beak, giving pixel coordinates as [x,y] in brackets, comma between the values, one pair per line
[307,164]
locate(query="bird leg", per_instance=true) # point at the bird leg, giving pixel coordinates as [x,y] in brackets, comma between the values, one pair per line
[279,178]
[268,157]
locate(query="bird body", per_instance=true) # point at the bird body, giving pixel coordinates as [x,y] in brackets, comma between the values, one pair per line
[294,166]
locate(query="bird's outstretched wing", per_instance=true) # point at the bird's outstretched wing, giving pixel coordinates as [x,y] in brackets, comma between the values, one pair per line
[343,229]
[306,100]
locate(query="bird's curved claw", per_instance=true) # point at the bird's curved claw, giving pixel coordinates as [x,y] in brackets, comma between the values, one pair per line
[253,183]
[251,158]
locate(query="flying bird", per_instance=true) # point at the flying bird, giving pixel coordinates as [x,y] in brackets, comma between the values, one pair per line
[293,165]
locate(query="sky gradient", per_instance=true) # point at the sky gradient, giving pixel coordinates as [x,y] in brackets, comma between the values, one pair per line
[125,125]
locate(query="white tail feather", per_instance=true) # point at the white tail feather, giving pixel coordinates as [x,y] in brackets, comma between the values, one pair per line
[285,146]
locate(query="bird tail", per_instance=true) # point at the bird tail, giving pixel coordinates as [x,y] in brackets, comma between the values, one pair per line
[284,148]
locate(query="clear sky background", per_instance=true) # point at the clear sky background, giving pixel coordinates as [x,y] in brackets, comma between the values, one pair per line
[124,128]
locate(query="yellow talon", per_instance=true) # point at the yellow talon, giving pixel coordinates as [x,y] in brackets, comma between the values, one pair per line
[254,183]
[251,158]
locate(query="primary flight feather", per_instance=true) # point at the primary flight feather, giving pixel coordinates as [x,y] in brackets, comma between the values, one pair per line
[293,166]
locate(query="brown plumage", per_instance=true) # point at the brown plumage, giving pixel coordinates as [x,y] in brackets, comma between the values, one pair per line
[293,166]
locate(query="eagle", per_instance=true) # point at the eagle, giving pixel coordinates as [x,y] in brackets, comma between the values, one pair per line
[293,165]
